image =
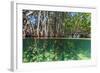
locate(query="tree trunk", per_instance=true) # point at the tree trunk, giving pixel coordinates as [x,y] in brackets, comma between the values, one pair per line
[38,23]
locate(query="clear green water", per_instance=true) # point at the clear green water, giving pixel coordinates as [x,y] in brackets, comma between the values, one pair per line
[41,50]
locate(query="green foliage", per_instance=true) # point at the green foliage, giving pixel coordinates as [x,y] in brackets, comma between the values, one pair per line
[55,50]
[79,22]
[55,23]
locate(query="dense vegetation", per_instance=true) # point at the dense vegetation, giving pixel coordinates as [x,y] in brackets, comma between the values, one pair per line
[50,36]
[56,24]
